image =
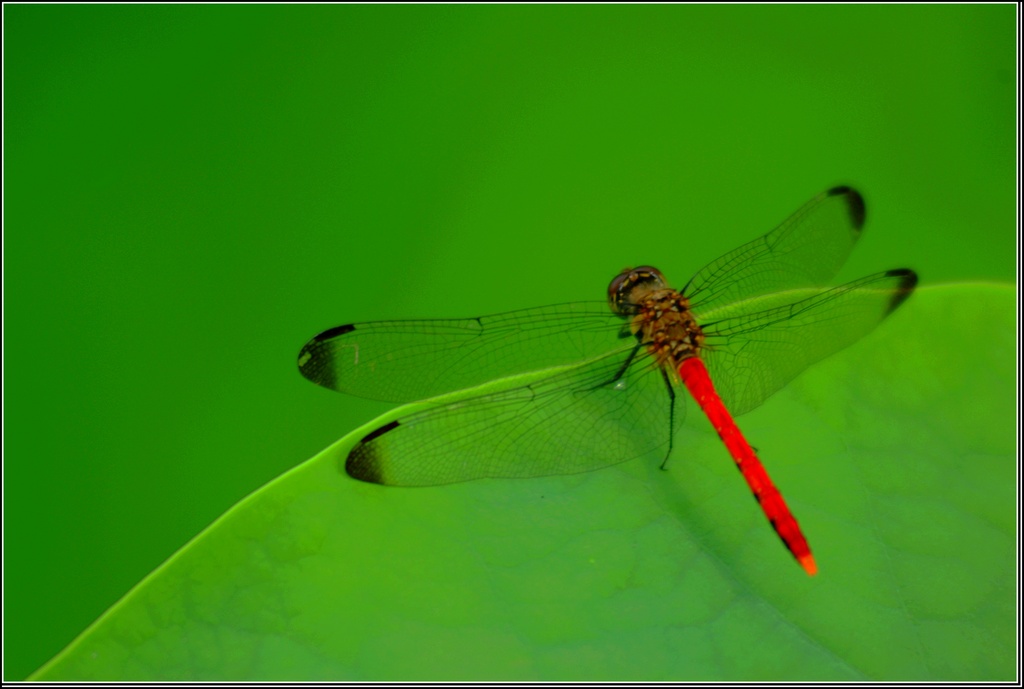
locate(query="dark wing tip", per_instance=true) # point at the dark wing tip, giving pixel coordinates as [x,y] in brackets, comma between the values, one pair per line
[364,461]
[334,332]
[317,368]
[905,287]
[854,203]
[311,366]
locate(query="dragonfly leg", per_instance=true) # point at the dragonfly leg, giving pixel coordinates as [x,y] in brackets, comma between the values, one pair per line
[671,415]
[618,374]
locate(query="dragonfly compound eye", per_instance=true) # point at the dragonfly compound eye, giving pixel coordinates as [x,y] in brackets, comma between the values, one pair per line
[631,285]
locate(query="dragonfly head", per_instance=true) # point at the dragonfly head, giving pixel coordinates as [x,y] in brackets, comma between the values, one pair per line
[632,285]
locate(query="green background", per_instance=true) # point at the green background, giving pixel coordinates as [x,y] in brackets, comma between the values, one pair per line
[192,192]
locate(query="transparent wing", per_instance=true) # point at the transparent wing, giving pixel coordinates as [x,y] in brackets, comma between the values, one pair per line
[403,361]
[752,356]
[806,250]
[580,419]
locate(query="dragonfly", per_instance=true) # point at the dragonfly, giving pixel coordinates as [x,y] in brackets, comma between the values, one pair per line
[575,387]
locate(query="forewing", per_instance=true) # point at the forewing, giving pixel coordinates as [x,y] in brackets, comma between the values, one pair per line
[577,420]
[806,250]
[404,361]
[752,356]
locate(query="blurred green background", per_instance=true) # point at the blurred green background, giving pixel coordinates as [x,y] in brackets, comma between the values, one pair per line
[191,192]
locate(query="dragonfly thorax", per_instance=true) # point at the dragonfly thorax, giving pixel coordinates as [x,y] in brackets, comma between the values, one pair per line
[659,316]
[664,323]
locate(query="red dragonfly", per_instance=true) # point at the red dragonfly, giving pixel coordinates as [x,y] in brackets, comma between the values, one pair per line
[585,386]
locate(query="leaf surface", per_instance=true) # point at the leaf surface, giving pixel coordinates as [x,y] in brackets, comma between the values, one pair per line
[896,455]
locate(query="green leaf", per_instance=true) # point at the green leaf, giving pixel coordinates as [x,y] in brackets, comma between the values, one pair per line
[897,456]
